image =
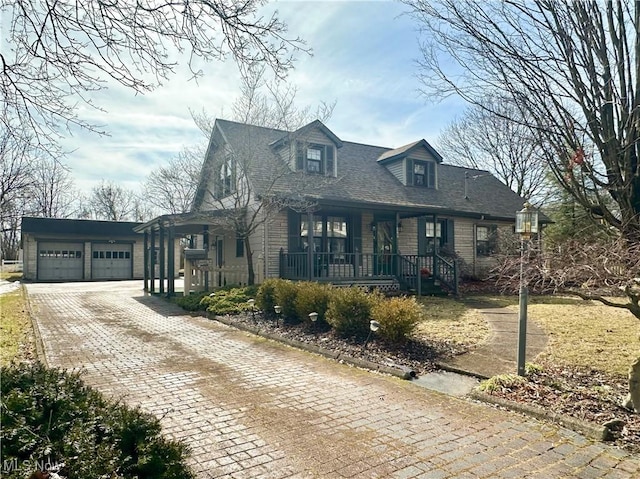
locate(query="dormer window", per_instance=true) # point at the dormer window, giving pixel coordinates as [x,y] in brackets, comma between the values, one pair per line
[316,159]
[423,174]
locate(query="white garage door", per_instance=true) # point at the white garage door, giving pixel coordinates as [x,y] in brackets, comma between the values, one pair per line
[111,261]
[60,261]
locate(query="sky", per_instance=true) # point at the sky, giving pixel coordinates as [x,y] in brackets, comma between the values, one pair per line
[364,60]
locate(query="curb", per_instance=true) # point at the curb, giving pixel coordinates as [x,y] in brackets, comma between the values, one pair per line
[397,371]
[590,430]
[37,337]
[453,369]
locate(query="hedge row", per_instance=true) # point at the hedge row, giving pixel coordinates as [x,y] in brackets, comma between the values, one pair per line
[347,310]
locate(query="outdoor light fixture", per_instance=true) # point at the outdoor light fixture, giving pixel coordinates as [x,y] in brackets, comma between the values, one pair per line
[252,303]
[373,327]
[313,317]
[278,310]
[526,227]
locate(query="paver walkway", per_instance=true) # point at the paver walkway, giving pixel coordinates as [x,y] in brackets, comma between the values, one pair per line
[499,354]
[252,408]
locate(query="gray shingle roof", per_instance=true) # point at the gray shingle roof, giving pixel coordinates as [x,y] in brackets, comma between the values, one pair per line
[78,227]
[363,181]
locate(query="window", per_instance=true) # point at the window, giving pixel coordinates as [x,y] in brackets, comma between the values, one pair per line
[95,255]
[329,236]
[423,173]
[434,235]
[78,254]
[127,255]
[486,240]
[226,181]
[239,247]
[316,159]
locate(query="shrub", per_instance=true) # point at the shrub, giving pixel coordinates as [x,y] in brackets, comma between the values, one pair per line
[191,302]
[285,295]
[349,311]
[227,301]
[502,382]
[398,317]
[51,416]
[266,295]
[312,297]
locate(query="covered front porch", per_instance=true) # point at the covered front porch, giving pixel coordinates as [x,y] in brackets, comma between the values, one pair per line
[373,248]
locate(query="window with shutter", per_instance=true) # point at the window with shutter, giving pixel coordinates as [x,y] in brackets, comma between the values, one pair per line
[315,158]
[422,173]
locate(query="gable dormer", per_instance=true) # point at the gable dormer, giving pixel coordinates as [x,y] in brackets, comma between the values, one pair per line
[415,164]
[312,149]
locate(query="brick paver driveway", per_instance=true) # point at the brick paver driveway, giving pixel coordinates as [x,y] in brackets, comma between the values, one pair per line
[252,408]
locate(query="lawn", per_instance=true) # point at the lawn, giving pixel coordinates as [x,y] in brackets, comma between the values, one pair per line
[450,320]
[14,324]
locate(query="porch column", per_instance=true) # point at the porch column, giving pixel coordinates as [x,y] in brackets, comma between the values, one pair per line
[205,245]
[311,246]
[152,263]
[162,259]
[171,280]
[145,266]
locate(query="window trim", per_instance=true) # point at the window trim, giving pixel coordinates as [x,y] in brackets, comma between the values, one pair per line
[428,176]
[489,244]
[325,167]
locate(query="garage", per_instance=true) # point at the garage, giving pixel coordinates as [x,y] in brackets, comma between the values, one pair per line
[111,261]
[60,261]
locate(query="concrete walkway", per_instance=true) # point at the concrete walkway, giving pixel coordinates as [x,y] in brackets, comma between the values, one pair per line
[252,408]
[499,354]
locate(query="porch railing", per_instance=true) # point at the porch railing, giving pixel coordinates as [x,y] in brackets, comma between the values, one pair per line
[409,270]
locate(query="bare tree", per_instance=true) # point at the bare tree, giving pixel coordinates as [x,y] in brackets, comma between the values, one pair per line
[571,70]
[52,193]
[593,268]
[61,51]
[483,140]
[171,188]
[112,202]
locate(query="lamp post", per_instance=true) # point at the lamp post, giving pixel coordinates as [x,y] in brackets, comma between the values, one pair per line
[373,327]
[278,310]
[526,226]
[252,303]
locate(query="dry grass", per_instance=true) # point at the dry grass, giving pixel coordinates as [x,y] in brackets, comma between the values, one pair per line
[450,320]
[14,324]
[586,334]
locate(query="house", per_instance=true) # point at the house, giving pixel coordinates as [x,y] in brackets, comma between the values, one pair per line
[307,205]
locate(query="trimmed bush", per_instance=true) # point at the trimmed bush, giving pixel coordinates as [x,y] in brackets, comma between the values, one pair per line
[285,295]
[266,295]
[312,297]
[349,311]
[192,302]
[227,301]
[51,416]
[398,317]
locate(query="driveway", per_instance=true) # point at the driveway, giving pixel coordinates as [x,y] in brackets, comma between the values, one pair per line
[252,408]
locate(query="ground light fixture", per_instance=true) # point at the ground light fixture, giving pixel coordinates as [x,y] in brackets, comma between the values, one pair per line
[373,327]
[526,227]
[314,318]
[252,303]
[278,310]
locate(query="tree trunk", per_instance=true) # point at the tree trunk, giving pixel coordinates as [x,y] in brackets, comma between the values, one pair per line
[632,400]
[251,275]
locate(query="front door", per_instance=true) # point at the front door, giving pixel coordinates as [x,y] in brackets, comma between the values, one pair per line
[383,247]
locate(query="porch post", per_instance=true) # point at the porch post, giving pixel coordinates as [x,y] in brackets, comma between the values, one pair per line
[162,259]
[152,263]
[310,251]
[205,245]
[171,280]
[145,267]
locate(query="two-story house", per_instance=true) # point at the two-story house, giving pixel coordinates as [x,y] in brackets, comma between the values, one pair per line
[307,205]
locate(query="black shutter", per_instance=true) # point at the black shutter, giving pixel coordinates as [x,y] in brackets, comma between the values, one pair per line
[330,161]
[355,232]
[450,242]
[422,235]
[409,164]
[293,224]
[299,156]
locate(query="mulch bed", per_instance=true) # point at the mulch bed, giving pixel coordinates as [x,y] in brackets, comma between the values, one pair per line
[586,395]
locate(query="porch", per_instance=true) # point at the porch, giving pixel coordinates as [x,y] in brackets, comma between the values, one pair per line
[419,274]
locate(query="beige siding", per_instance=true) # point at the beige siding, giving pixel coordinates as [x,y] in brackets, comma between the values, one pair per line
[277,238]
[464,239]
[408,237]
[367,235]
[399,170]
[29,267]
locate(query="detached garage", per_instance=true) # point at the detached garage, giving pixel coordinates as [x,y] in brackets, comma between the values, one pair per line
[81,250]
